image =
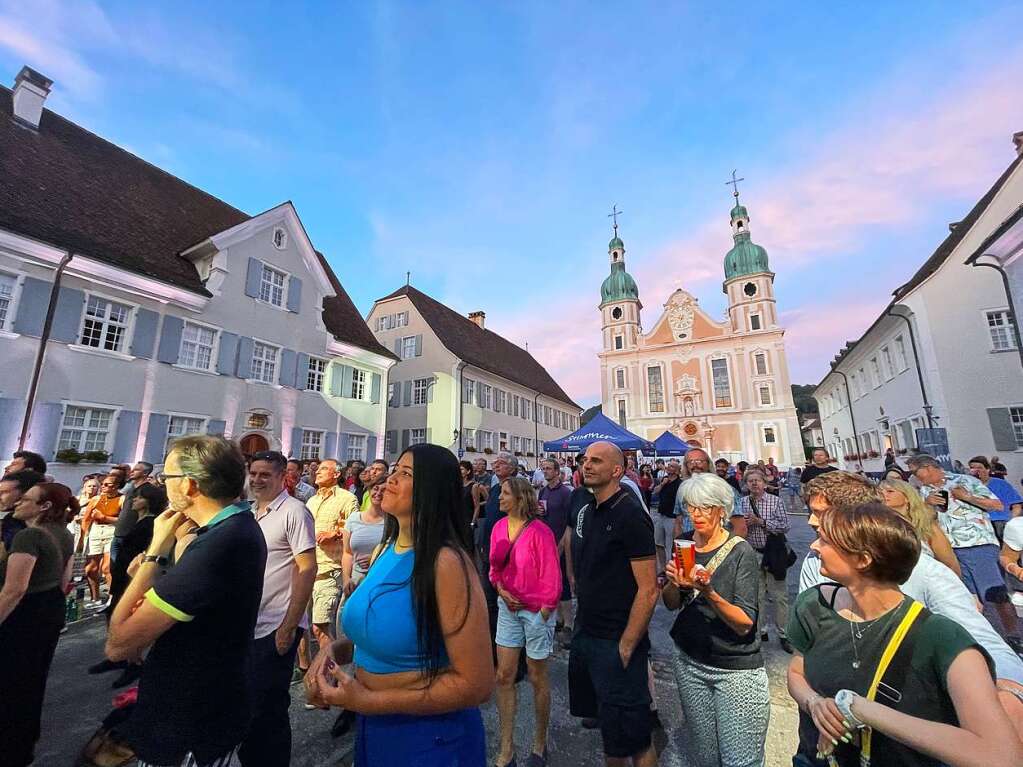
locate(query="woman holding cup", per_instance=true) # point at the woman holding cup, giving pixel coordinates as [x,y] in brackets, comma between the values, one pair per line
[719,669]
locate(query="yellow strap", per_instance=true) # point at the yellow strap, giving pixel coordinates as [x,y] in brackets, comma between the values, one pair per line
[886,658]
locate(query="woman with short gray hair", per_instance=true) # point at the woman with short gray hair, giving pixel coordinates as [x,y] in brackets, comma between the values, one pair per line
[719,669]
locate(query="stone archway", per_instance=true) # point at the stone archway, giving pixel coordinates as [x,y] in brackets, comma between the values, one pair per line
[253,443]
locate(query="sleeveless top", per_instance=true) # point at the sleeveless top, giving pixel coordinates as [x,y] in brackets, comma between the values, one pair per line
[363,537]
[380,619]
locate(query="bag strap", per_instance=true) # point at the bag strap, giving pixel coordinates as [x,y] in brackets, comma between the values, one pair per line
[914,611]
[723,551]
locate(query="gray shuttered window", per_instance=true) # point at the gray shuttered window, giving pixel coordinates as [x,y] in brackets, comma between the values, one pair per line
[405,438]
[227,358]
[406,396]
[374,389]
[346,380]
[67,317]
[1001,428]
[394,387]
[170,339]
[144,338]
[397,348]
[391,441]
[288,367]
[294,294]
[371,447]
[253,276]
[296,442]
[419,345]
[156,438]
[330,445]
[35,297]
[336,373]
[44,427]
[430,387]
[302,371]
[342,450]
[216,427]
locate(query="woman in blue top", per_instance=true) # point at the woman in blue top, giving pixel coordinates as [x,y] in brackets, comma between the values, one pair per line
[417,620]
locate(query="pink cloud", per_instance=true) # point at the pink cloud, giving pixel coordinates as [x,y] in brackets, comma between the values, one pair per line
[816,332]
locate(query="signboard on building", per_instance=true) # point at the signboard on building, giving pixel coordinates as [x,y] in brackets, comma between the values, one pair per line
[934,442]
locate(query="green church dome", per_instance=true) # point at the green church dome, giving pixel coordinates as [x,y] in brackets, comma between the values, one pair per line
[745,257]
[616,242]
[618,286]
[739,210]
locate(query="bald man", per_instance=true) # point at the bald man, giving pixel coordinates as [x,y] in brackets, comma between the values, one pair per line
[616,587]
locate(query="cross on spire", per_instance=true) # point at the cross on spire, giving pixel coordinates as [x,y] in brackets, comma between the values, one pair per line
[734,183]
[613,215]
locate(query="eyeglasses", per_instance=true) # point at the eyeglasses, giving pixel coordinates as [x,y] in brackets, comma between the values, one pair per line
[163,476]
[696,511]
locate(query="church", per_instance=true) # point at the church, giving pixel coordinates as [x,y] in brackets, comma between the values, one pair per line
[722,385]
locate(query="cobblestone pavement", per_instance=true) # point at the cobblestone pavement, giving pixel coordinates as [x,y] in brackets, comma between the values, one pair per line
[76,702]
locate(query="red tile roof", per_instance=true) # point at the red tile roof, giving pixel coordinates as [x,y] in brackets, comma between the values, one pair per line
[70,188]
[482,348]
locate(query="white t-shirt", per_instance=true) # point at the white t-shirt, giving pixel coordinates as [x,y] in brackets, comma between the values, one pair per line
[289,530]
[941,592]
[1012,536]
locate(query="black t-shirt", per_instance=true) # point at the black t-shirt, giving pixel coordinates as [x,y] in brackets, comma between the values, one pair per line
[666,505]
[702,634]
[194,694]
[810,472]
[613,534]
[581,497]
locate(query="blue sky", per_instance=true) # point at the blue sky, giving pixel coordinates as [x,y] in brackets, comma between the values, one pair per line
[481,145]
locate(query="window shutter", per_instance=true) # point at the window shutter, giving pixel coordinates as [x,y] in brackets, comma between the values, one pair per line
[67,318]
[394,393]
[342,451]
[374,389]
[391,441]
[296,442]
[228,353]
[346,380]
[335,379]
[35,298]
[216,427]
[294,294]
[253,277]
[245,346]
[288,367]
[1001,428]
[170,339]
[302,371]
[465,393]
[156,438]
[126,436]
[371,447]
[43,428]
[405,438]
[497,401]
[144,338]
[419,345]
[430,387]
[406,399]
[397,348]
[330,445]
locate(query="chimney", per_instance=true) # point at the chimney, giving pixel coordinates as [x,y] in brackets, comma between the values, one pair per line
[478,318]
[30,91]
[1017,141]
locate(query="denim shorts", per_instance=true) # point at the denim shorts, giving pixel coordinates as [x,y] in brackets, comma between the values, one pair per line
[526,629]
[982,573]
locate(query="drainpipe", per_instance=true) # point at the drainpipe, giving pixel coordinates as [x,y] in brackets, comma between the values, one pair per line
[852,415]
[1012,308]
[461,404]
[536,428]
[43,340]
[916,360]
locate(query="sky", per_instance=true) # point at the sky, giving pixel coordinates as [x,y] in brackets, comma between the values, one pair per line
[480,146]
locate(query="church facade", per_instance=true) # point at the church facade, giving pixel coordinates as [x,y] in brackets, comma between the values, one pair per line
[722,385]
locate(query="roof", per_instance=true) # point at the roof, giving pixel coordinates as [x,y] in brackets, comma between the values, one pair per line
[934,262]
[1014,218]
[482,348]
[70,188]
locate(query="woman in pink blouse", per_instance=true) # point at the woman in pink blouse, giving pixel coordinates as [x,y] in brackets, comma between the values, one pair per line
[526,574]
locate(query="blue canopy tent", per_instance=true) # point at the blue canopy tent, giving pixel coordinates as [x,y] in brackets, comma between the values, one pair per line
[669,444]
[599,429]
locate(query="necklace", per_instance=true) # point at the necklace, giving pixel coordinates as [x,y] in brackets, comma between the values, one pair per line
[856,632]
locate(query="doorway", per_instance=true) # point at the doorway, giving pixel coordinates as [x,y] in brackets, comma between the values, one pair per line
[253,443]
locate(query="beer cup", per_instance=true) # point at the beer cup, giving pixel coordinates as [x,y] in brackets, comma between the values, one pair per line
[685,557]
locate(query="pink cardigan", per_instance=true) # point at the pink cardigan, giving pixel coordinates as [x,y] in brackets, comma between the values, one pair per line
[533,572]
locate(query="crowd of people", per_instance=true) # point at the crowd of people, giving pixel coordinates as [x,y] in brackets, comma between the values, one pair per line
[227,578]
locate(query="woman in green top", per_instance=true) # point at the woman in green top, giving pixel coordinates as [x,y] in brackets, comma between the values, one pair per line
[936,706]
[33,579]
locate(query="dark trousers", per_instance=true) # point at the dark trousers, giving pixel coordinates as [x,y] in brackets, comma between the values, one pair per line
[268,743]
[28,639]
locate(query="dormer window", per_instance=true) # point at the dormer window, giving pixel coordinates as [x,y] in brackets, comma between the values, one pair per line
[280,238]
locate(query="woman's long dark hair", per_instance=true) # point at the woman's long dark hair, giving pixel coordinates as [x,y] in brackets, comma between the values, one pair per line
[438,521]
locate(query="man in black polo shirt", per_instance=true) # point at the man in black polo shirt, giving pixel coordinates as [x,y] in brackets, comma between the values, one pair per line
[198,619]
[821,465]
[616,587]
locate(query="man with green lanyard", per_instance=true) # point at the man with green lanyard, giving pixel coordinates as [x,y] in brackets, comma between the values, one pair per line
[197,619]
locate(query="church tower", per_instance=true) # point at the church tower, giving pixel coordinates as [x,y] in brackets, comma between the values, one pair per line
[619,301]
[749,281]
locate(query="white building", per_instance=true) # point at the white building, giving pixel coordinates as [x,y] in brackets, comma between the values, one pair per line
[175,314]
[945,343]
[462,386]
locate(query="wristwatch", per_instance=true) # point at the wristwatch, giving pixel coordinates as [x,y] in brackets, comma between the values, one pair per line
[844,700]
[161,561]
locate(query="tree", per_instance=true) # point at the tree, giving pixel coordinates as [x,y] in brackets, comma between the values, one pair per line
[588,414]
